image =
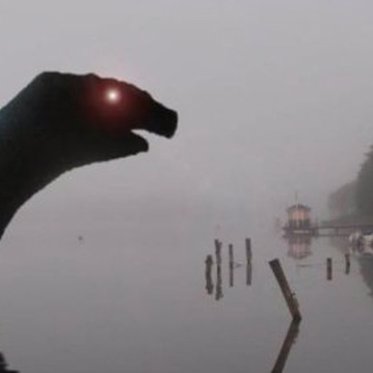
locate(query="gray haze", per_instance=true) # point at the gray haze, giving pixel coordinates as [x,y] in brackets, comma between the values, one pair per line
[104,270]
[273,96]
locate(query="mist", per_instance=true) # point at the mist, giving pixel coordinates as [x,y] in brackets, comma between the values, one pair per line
[113,266]
[273,97]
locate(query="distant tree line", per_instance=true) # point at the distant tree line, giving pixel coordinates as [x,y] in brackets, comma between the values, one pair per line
[356,197]
[342,202]
[364,186]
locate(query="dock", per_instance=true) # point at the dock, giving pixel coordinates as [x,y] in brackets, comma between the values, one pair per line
[299,223]
[328,230]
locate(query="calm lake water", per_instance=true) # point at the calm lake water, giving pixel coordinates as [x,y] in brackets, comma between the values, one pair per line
[130,296]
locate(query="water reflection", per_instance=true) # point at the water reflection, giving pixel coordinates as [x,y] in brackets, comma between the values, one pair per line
[219,284]
[366,270]
[299,246]
[329,269]
[231,275]
[348,264]
[219,281]
[232,266]
[4,365]
[288,343]
[208,274]
[249,274]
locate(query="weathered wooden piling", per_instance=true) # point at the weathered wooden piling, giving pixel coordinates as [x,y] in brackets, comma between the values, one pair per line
[289,340]
[348,263]
[231,265]
[219,283]
[218,246]
[248,250]
[208,271]
[231,276]
[231,257]
[289,296]
[329,269]
[209,261]
[249,274]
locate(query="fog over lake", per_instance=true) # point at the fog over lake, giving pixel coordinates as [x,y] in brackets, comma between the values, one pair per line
[274,97]
[266,92]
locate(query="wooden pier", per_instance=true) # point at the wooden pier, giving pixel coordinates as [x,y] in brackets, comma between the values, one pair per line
[329,230]
[299,223]
[333,229]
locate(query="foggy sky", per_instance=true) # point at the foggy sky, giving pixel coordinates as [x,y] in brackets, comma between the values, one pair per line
[273,96]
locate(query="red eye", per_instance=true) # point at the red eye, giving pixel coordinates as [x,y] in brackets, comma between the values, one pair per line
[113,96]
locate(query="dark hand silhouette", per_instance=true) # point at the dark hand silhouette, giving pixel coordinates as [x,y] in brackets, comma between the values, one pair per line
[62,121]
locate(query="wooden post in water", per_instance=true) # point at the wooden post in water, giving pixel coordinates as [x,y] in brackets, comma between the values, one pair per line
[209,284]
[348,263]
[231,258]
[289,296]
[329,269]
[219,283]
[249,274]
[218,245]
[231,266]
[248,250]
[286,347]
[249,257]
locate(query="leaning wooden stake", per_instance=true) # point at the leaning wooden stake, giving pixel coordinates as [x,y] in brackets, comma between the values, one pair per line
[289,296]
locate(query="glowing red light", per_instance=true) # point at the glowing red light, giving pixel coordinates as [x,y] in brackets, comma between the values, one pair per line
[112,96]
